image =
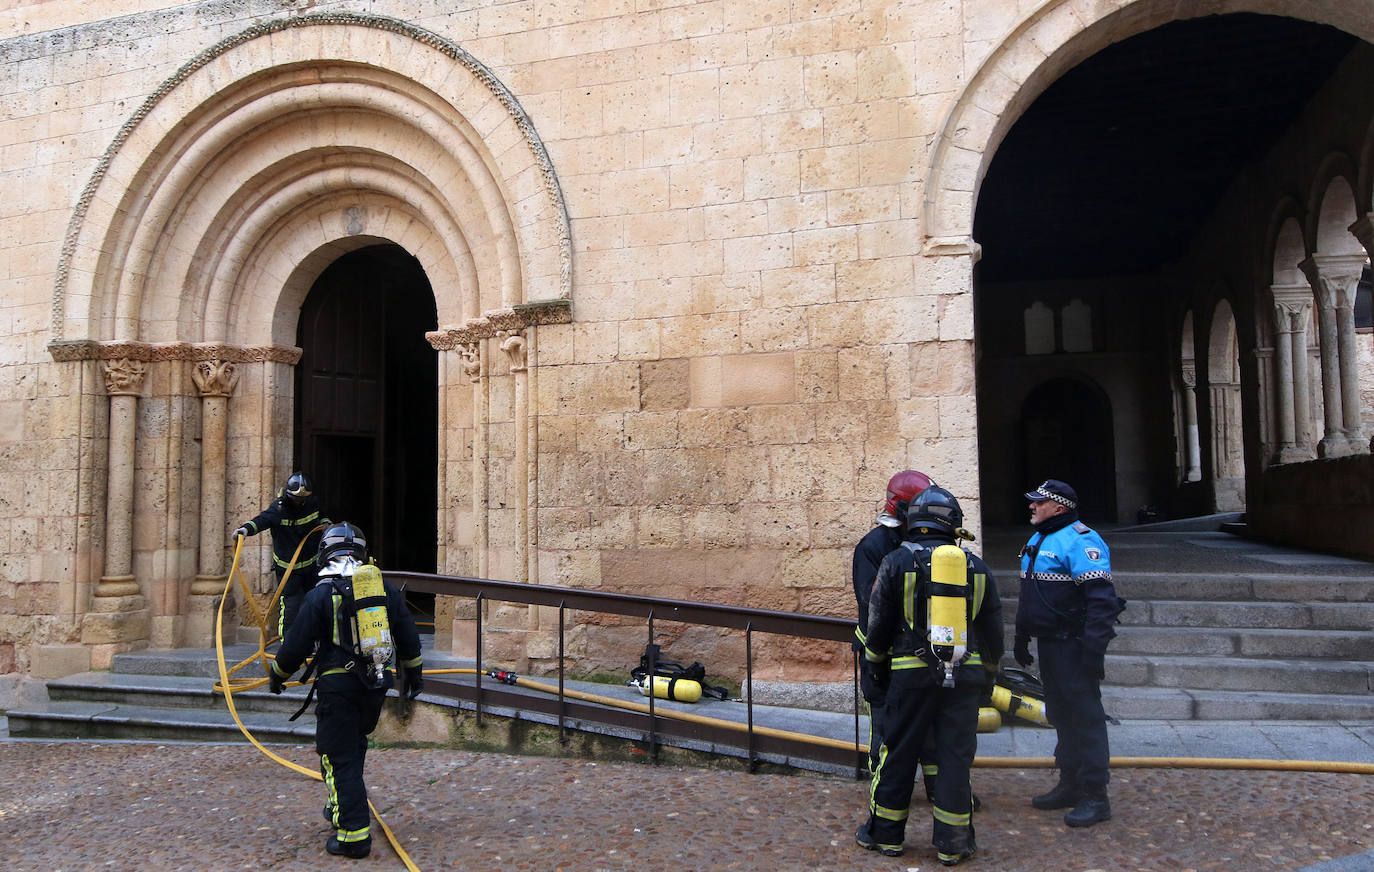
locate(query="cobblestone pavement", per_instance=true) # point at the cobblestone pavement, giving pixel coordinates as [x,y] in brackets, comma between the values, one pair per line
[73,807]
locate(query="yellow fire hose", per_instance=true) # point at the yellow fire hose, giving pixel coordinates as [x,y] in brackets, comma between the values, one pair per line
[228,687]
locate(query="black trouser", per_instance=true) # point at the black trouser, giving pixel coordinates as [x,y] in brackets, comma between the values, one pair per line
[1073,704]
[916,707]
[344,716]
[297,586]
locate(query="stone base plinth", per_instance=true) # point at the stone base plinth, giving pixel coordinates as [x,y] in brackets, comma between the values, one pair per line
[56,661]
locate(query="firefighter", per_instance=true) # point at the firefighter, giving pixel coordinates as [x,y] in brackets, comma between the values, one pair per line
[293,513]
[922,696]
[350,697]
[1068,604]
[868,554]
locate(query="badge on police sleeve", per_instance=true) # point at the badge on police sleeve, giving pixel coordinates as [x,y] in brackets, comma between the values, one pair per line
[1094,554]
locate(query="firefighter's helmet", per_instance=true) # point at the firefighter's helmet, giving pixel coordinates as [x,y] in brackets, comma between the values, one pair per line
[934,510]
[901,489]
[344,539]
[298,487]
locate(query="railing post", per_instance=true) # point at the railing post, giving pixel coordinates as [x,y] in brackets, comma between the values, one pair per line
[479,661]
[749,697]
[562,700]
[653,670]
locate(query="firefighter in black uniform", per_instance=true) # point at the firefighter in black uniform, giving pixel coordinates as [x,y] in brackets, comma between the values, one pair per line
[350,701]
[868,554]
[917,703]
[291,516]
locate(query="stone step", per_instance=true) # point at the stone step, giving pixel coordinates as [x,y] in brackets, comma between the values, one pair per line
[1351,678]
[168,691]
[1149,586]
[1234,615]
[1244,642]
[79,719]
[1137,703]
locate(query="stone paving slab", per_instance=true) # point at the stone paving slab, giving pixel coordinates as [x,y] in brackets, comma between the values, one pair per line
[157,807]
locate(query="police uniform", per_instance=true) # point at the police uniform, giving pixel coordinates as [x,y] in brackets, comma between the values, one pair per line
[917,703]
[1068,604]
[290,523]
[347,709]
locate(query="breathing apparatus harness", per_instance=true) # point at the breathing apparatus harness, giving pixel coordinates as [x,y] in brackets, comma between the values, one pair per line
[942,641]
[672,680]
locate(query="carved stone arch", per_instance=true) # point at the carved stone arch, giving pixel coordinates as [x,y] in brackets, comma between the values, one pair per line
[1224,393]
[1333,206]
[1285,245]
[1043,45]
[178,189]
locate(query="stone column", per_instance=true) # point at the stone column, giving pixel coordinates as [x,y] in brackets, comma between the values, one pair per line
[1334,278]
[215,381]
[1193,461]
[119,618]
[513,344]
[471,353]
[1291,303]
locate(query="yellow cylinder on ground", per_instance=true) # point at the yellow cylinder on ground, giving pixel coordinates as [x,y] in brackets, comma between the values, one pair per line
[989,720]
[676,689]
[1016,705]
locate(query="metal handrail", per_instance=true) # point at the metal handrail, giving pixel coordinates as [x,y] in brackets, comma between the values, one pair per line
[749,620]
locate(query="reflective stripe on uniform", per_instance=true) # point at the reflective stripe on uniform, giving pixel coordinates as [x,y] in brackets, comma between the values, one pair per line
[327,770]
[301,522]
[354,835]
[284,564]
[909,597]
[949,817]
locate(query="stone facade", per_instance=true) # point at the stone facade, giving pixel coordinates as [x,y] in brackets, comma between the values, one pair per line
[703,277]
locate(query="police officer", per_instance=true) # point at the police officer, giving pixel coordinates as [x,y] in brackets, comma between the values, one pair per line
[349,701]
[868,554]
[293,513]
[917,703]
[1068,604]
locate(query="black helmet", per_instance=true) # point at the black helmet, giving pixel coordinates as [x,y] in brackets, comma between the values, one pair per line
[298,487]
[934,510]
[342,538]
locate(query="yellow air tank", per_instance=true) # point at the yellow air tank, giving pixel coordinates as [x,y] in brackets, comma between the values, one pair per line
[989,719]
[1017,705]
[948,608]
[676,689]
[374,628]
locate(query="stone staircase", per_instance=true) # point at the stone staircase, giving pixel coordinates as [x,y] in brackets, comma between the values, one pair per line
[164,695]
[1236,634]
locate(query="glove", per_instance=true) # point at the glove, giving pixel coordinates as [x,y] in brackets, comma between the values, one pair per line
[414,683]
[275,682]
[241,531]
[873,680]
[1021,650]
[1094,663]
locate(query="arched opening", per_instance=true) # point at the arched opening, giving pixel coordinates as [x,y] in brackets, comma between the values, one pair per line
[366,416]
[1223,382]
[1094,202]
[1066,433]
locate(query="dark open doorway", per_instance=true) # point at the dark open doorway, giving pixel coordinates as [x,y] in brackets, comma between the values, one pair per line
[1066,430]
[367,402]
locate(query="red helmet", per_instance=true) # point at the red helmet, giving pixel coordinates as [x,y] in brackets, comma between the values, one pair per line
[903,487]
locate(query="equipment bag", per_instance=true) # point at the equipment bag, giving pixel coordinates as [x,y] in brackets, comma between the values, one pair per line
[672,680]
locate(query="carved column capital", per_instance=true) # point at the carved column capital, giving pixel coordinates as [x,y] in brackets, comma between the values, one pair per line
[215,378]
[1291,303]
[471,355]
[124,377]
[513,344]
[1190,374]
[1334,277]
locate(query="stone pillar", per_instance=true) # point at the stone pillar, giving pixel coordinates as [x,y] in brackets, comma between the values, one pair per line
[1193,461]
[119,618]
[471,353]
[1291,304]
[215,381]
[1333,278]
[513,344]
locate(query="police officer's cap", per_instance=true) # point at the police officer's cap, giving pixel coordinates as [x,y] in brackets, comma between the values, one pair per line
[1056,490]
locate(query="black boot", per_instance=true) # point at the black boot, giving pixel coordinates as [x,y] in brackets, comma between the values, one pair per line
[1064,795]
[353,850]
[1092,808]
